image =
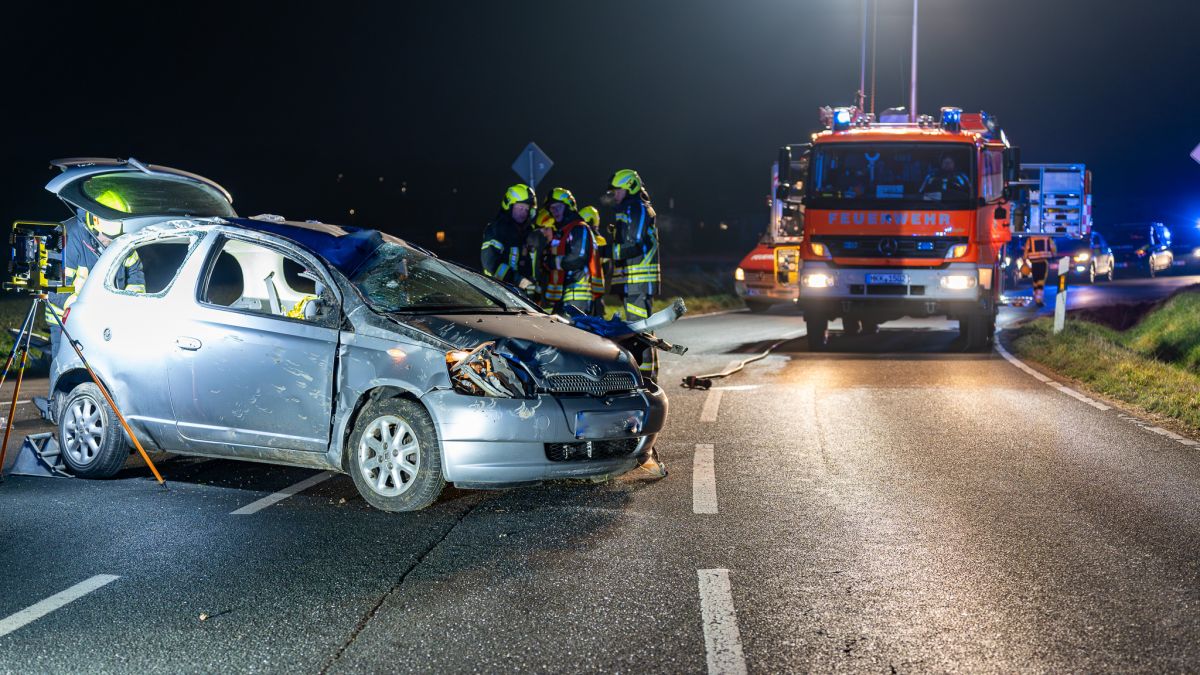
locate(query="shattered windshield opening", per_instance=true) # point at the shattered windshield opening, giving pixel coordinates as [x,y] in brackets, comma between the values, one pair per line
[397,278]
[892,175]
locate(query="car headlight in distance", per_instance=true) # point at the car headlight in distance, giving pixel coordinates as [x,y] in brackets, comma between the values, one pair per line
[818,280]
[957,251]
[739,274]
[480,372]
[1083,257]
[1196,253]
[958,282]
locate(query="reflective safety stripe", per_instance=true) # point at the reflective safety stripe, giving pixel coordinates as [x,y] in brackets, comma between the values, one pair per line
[492,243]
[136,288]
[501,270]
[636,310]
[132,259]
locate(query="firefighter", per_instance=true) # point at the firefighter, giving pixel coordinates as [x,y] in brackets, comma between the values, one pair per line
[1039,250]
[536,252]
[87,236]
[575,272]
[591,216]
[504,238]
[946,178]
[635,254]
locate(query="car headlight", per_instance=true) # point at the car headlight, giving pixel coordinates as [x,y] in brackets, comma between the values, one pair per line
[739,274]
[1083,257]
[956,251]
[482,372]
[818,280]
[958,282]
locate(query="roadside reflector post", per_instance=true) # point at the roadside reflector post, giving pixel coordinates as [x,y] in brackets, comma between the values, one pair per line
[1060,298]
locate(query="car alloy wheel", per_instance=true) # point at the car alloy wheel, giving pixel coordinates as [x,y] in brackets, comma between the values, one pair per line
[389,456]
[83,430]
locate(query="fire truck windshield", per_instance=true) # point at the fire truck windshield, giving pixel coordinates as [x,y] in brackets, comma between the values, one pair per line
[892,175]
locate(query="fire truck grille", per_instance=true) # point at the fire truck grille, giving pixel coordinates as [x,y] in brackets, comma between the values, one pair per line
[585,450]
[891,247]
[582,384]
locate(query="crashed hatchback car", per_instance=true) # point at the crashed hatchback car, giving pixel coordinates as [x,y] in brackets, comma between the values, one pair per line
[339,348]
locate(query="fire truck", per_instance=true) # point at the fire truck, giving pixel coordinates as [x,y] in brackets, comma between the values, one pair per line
[769,274]
[905,219]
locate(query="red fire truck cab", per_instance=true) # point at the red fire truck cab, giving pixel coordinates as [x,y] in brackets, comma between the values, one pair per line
[769,274]
[905,219]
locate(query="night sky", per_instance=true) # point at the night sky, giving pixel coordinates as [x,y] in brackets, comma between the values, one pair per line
[438,98]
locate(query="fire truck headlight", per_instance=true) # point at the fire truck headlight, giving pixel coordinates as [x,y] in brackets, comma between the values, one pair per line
[820,250]
[958,282]
[818,280]
[739,274]
[1083,257]
[956,251]
[1196,253]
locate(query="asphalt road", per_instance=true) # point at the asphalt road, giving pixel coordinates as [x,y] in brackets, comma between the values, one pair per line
[891,505]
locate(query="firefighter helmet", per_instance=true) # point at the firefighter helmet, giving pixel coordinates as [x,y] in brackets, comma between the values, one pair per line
[109,228]
[590,216]
[544,219]
[628,180]
[563,196]
[519,194]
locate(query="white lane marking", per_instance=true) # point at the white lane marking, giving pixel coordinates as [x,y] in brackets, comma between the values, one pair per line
[255,507]
[1049,382]
[722,640]
[9,402]
[40,609]
[739,387]
[711,404]
[704,480]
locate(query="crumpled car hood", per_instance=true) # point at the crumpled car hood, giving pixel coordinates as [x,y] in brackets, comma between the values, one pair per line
[544,344]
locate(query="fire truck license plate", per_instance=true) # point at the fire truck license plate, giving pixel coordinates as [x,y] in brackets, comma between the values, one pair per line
[901,279]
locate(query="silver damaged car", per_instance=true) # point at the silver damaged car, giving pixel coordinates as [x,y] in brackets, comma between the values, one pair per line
[339,348]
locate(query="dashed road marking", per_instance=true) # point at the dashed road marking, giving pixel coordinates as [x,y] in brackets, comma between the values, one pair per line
[722,640]
[1046,380]
[255,507]
[704,480]
[40,609]
[712,403]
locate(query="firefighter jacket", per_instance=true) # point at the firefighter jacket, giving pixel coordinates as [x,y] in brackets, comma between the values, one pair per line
[635,247]
[577,275]
[81,250]
[536,258]
[503,240]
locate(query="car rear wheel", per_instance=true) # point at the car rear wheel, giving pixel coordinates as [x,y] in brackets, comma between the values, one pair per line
[394,456]
[89,434]
[1112,264]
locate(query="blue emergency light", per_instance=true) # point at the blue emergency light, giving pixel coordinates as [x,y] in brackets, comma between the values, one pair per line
[952,119]
[841,119]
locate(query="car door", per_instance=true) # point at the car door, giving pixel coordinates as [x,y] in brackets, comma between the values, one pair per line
[135,193]
[252,368]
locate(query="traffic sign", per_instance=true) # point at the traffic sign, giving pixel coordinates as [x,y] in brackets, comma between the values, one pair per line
[532,164]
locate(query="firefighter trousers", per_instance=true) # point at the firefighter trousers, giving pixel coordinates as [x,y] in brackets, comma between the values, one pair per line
[1040,272]
[638,307]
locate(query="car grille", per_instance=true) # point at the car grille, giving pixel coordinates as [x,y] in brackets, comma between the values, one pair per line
[582,384]
[890,247]
[584,450]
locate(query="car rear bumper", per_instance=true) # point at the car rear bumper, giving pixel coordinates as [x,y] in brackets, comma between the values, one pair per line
[492,442]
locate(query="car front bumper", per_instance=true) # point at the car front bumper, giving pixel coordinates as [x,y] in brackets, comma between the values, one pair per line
[923,293]
[498,442]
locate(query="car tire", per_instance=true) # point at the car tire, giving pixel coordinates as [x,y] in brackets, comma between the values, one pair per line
[90,435]
[1112,264]
[975,332]
[1092,273]
[1150,266]
[852,325]
[818,332]
[757,306]
[394,457]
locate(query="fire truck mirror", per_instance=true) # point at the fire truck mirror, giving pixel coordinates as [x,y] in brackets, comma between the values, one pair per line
[1012,164]
[785,166]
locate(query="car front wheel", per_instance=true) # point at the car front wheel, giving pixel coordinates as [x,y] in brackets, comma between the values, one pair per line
[394,456]
[89,434]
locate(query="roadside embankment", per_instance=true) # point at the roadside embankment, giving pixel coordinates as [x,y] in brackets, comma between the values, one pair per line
[1153,365]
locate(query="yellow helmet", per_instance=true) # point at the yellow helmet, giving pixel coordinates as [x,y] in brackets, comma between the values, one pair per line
[109,228]
[590,216]
[563,196]
[518,194]
[544,219]
[627,179]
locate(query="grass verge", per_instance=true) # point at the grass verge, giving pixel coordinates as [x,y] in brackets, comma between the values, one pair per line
[1152,366]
